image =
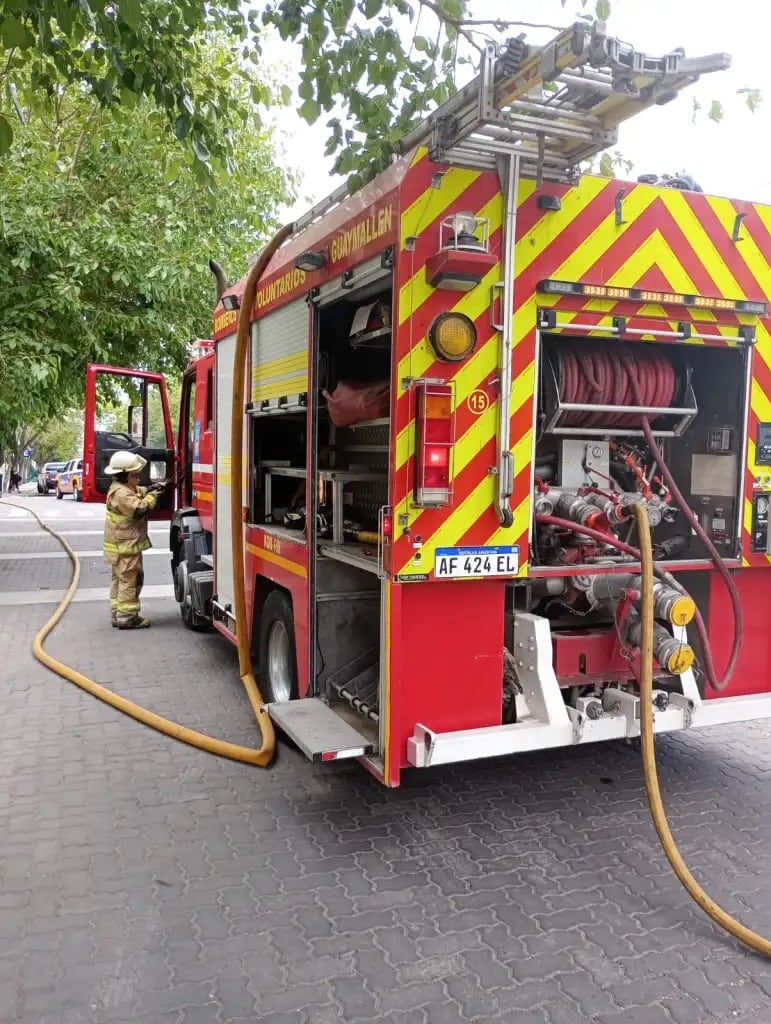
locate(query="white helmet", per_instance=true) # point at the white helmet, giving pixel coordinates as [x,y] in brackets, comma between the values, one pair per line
[125,462]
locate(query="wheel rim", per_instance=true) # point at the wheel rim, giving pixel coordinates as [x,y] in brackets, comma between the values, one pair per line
[182,588]
[279,662]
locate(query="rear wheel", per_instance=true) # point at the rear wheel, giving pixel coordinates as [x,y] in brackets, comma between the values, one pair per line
[41,488]
[191,618]
[59,494]
[277,653]
[76,495]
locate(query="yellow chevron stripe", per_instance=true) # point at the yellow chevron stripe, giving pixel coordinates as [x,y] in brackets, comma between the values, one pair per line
[463,517]
[546,229]
[420,154]
[285,364]
[482,363]
[415,291]
[747,250]
[759,400]
[700,241]
[434,201]
[467,447]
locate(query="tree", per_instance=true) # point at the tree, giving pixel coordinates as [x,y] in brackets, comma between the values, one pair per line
[392,61]
[59,438]
[387,62]
[120,51]
[105,234]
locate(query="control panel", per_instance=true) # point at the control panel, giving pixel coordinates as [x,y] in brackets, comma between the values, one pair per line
[763,445]
[760,503]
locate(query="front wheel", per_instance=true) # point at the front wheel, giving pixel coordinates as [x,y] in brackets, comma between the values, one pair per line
[76,495]
[40,490]
[59,494]
[277,652]
[192,620]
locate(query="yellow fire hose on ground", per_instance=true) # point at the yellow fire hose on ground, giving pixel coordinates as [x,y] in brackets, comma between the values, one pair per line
[262,756]
[695,891]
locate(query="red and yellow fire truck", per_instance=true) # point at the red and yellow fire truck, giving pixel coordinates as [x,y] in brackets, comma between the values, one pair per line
[462,379]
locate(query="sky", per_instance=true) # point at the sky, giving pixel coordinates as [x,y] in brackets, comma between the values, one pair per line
[725,159]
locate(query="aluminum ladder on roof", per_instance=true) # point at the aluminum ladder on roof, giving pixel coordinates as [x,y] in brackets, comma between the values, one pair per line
[538,112]
[557,105]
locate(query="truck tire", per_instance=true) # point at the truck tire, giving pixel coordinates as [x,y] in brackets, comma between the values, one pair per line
[190,617]
[277,661]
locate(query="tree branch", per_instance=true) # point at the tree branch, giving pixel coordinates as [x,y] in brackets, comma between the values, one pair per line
[456,23]
[502,25]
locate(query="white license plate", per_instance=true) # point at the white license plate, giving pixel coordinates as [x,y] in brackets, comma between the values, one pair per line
[465,563]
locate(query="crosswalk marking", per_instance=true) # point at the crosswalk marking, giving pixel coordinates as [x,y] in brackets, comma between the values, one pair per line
[20,556]
[72,533]
[85,594]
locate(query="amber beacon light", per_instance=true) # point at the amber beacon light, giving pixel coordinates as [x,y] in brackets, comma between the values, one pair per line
[453,337]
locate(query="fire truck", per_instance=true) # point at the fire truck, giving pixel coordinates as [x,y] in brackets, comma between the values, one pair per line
[461,380]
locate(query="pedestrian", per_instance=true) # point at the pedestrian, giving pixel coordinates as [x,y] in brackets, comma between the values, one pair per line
[125,536]
[15,481]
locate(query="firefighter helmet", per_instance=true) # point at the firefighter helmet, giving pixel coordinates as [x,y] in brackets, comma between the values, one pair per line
[125,462]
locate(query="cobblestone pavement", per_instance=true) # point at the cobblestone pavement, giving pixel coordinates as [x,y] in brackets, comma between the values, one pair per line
[146,882]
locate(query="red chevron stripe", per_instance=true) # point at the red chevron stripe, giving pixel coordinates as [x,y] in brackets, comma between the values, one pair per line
[753,226]
[464,421]
[467,480]
[417,181]
[419,325]
[473,198]
[724,246]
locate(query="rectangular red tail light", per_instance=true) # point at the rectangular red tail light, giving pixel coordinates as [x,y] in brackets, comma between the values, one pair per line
[435,440]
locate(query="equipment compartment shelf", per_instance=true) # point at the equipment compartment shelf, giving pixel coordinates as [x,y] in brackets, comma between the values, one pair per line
[335,475]
[380,337]
[352,554]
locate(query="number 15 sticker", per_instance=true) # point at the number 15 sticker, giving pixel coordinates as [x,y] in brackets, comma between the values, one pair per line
[478,402]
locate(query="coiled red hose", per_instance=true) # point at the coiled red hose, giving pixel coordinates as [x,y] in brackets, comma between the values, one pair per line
[592,373]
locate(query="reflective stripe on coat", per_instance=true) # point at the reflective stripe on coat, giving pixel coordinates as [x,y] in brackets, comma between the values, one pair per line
[125,524]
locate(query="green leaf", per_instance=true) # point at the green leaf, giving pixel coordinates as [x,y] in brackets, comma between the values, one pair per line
[15,33]
[602,10]
[187,104]
[372,7]
[6,135]
[309,111]
[715,111]
[182,127]
[131,12]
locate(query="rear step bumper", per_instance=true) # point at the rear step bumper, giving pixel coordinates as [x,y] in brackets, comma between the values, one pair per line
[318,731]
[427,748]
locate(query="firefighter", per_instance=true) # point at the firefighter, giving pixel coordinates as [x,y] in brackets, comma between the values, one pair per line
[125,536]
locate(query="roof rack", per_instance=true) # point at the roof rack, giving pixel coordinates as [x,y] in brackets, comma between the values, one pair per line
[555,106]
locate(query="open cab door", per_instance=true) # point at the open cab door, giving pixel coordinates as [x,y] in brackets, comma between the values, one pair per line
[127,410]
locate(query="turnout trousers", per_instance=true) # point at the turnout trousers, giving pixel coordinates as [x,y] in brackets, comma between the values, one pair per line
[125,587]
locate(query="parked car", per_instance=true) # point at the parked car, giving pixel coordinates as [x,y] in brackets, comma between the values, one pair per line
[69,480]
[46,480]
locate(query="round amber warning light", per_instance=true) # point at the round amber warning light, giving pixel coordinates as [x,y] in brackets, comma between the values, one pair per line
[453,336]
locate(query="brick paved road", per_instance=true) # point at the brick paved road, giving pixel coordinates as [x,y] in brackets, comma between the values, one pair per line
[146,882]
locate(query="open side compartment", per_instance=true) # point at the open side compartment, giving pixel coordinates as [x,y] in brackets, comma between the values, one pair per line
[352,425]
